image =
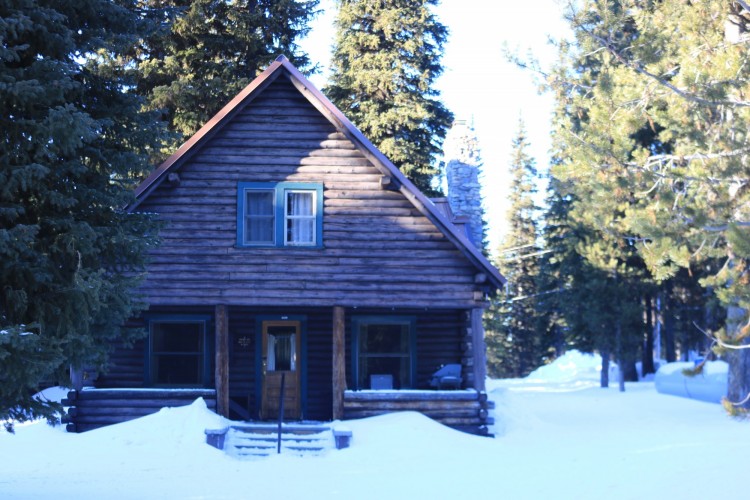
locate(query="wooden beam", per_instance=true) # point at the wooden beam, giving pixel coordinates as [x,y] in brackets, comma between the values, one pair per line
[222,360]
[339,362]
[479,349]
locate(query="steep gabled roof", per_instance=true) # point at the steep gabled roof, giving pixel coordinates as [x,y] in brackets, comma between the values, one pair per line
[344,126]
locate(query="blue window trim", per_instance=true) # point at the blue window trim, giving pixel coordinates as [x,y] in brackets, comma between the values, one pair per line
[208,351]
[302,319]
[358,321]
[280,189]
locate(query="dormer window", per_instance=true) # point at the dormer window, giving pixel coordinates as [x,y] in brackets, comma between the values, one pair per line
[284,214]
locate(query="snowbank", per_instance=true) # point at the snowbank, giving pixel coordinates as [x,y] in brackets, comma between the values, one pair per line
[572,366]
[709,386]
[572,371]
[589,443]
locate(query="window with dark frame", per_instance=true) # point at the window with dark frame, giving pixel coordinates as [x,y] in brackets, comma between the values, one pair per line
[177,353]
[384,353]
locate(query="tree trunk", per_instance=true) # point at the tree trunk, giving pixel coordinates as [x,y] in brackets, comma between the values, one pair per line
[647,359]
[605,369]
[629,370]
[739,362]
[669,346]
[620,357]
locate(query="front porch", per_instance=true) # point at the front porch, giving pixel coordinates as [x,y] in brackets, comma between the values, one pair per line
[465,410]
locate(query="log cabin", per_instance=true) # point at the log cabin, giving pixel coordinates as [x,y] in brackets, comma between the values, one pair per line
[295,254]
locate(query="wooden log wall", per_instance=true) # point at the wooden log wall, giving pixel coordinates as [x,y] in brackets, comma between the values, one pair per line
[319,367]
[94,408]
[379,251]
[466,410]
[242,344]
[440,340]
[127,364]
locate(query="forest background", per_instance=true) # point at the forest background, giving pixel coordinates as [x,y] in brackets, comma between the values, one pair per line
[640,246]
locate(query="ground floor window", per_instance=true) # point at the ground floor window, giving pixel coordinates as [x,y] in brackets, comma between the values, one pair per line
[384,352]
[177,354]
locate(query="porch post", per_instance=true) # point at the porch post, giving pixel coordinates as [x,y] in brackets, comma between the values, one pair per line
[221,373]
[339,362]
[479,348]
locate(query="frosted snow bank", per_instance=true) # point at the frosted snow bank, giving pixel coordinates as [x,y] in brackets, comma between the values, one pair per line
[572,371]
[574,436]
[710,386]
[571,366]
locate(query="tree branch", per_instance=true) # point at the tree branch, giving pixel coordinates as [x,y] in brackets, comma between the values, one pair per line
[640,69]
[744,5]
[716,340]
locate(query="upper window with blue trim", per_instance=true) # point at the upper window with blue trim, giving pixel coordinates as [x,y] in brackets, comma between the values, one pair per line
[283,214]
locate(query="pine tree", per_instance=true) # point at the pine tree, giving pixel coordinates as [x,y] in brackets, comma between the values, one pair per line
[557,266]
[201,53]
[657,118]
[385,62]
[72,144]
[513,344]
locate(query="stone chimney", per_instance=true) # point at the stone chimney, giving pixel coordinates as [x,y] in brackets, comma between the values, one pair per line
[463,165]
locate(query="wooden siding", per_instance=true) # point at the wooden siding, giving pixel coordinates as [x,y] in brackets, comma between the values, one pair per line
[439,337]
[379,251]
[467,411]
[127,365]
[94,408]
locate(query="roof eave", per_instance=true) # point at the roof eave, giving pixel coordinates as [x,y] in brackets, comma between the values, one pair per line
[204,133]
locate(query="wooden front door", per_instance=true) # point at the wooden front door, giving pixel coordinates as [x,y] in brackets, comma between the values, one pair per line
[281,357]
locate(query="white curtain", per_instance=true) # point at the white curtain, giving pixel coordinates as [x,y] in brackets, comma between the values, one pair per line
[300,217]
[286,348]
[293,354]
[271,354]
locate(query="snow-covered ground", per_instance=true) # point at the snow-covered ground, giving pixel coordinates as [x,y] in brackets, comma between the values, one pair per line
[558,436]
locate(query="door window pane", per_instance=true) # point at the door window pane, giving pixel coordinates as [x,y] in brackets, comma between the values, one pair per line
[281,355]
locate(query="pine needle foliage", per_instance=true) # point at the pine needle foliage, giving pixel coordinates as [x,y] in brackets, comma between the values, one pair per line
[198,54]
[514,345]
[655,125]
[386,59]
[73,143]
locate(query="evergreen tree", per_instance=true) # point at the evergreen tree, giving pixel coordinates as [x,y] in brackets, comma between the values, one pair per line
[514,346]
[557,266]
[385,62]
[200,53]
[72,144]
[657,119]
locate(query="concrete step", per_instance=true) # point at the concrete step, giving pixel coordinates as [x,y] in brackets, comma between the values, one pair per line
[261,440]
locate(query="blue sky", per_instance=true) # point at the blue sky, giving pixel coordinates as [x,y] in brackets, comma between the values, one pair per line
[480,85]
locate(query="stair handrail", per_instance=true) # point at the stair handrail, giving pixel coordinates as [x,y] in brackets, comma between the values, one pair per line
[281,412]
